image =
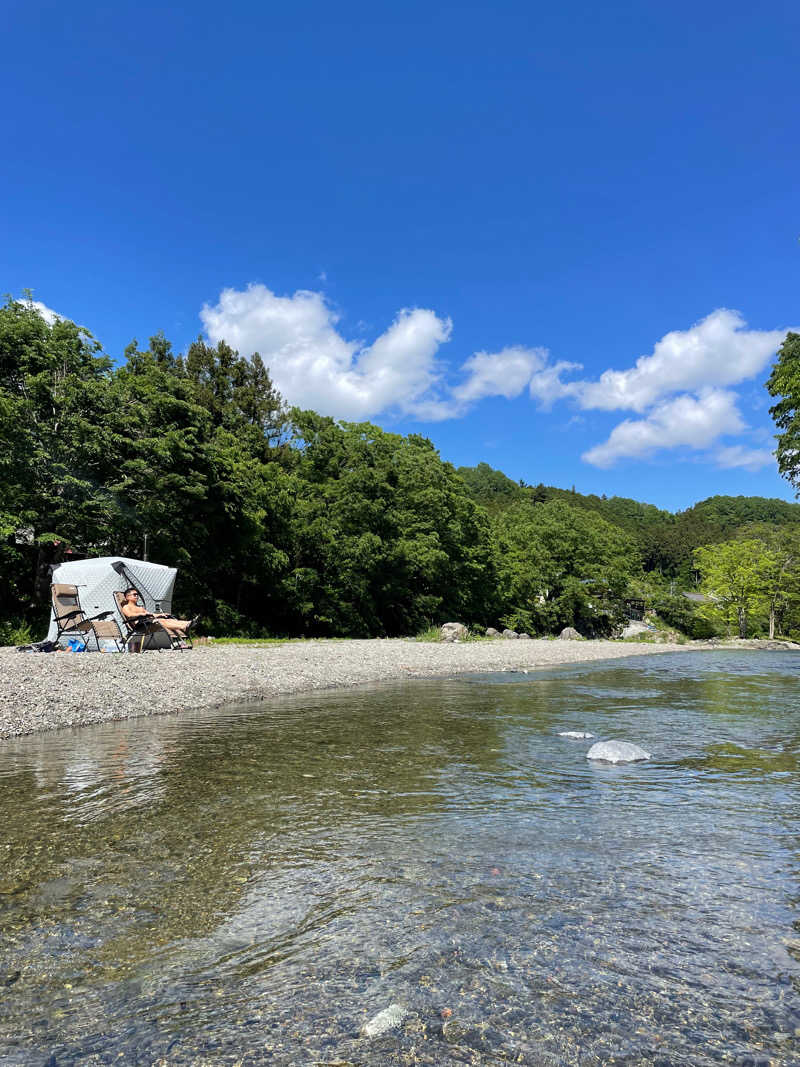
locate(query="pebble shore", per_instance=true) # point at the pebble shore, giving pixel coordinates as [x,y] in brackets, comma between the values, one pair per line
[47,692]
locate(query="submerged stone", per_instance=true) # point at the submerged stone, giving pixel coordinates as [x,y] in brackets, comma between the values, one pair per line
[384,1021]
[617,752]
[576,735]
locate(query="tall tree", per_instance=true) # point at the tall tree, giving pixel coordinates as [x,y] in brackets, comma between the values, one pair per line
[54,388]
[386,538]
[784,384]
[735,578]
[195,471]
[781,568]
[562,566]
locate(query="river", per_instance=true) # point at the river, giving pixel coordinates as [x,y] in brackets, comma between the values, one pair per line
[252,885]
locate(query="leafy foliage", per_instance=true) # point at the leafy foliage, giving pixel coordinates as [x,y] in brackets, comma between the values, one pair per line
[784,384]
[279,522]
[386,538]
[562,566]
[734,576]
[288,522]
[681,614]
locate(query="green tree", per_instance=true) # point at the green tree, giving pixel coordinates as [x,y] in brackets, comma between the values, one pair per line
[54,378]
[385,536]
[781,569]
[195,468]
[784,384]
[735,575]
[490,488]
[562,566]
[681,613]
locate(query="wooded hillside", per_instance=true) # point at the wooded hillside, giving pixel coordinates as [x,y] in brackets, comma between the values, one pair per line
[287,522]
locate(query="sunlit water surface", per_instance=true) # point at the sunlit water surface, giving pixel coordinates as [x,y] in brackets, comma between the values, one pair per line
[252,885]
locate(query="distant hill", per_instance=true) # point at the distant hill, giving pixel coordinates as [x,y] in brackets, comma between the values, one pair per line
[666,540]
[730,512]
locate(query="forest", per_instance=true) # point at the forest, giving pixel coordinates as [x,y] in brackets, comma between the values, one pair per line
[284,522]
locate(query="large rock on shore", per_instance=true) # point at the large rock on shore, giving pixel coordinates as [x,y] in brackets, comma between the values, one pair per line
[491,632]
[569,633]
[510,635]
[617,752]
[454,631]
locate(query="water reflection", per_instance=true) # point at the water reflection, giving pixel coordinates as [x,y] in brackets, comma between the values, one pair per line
[251,885]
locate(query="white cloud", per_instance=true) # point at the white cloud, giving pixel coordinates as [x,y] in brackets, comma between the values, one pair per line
[752,459]
[718,351]
[546,385]
[506,373]
[684,421]
[681,390]
[314,366]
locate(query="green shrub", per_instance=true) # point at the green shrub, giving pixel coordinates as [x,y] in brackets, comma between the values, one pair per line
[430,634]
[680,614]
[15,632]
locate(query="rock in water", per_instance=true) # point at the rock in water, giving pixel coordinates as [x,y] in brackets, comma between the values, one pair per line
[569,633]
[617,752]
[384,1021]
[576,735]
[454,631]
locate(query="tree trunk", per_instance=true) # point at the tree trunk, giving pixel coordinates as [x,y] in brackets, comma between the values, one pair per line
[742,612]
[771,621]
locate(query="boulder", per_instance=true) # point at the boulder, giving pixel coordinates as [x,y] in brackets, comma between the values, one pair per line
[569,633]
[576,735]
[491,632]
[384,1021]
[617,752]
[524,637]
[454,631]
[510,635]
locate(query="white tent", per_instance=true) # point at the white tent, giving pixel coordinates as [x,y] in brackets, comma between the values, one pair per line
[98,579]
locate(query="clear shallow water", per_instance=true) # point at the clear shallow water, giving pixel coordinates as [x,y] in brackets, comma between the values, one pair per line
[252,885]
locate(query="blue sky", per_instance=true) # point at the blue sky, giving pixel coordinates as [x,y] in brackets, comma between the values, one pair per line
[464,220]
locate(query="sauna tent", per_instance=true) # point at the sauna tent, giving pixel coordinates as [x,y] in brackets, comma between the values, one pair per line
[98,579]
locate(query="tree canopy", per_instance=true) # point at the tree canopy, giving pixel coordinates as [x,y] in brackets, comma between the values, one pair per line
[784,385]
[288,522]
[562,566]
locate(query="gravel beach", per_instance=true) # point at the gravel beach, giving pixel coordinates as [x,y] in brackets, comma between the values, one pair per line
[46,692]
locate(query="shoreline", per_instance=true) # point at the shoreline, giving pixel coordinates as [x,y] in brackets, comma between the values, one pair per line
[50,692]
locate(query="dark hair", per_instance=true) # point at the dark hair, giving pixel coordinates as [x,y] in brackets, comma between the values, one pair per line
[131,589]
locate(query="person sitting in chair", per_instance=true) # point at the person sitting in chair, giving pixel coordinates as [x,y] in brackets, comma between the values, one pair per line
[132,611]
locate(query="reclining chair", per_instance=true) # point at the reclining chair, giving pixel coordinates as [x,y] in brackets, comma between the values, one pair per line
[144,627]
[71,621]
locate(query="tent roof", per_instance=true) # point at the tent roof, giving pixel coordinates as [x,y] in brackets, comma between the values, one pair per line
[103,563]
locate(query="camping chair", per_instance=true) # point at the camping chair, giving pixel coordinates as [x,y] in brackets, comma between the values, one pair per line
[70,619]
[144,627]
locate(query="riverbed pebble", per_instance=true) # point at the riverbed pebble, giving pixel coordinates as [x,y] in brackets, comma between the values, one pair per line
[385,1020]
[43,692]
